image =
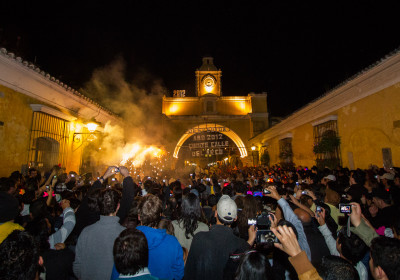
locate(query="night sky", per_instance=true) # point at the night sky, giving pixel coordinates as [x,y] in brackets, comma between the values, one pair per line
[295,51]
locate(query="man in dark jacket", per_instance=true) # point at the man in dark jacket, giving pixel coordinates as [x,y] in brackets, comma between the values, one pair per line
[210,250]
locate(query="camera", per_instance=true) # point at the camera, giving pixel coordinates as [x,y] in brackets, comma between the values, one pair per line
[264,233]
[345,208]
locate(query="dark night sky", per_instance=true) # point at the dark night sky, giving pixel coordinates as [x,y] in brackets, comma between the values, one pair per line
[295,51]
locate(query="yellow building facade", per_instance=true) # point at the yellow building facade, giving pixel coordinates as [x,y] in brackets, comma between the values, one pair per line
[238,117]
[43,122]
[363,112]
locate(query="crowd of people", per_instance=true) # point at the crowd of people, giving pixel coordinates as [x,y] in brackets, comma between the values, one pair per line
[225,223]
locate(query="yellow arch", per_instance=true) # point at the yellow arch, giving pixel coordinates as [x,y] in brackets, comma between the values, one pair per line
[212,127]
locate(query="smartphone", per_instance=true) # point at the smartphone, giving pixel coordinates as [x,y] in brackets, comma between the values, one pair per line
[72,175]
[163,180]
[116,170]
[265,191]
[170,194]
[113,179]
[345,208]
[297,183]
[319,209]
[149,178]
[251,222]
[304,192]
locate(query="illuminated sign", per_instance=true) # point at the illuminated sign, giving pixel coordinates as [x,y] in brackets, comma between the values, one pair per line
[207,129]
[208,144]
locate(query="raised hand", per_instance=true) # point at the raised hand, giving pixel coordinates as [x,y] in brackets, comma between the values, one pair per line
[287,237]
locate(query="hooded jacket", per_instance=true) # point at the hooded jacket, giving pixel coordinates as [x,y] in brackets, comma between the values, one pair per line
[165,254]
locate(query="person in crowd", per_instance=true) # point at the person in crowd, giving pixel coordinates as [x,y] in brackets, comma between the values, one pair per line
[315,240]
[189,223]
[350,247]
[165,252]
[94,253]
[382,209]
[336,268]
[254,266]
[19,257]
[8,212]
[131,255]
[291,217]
[210,250]
[385,258]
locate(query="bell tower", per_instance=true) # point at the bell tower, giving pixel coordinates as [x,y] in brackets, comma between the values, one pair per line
[208,78]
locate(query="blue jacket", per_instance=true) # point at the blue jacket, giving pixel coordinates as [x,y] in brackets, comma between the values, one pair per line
[165,254]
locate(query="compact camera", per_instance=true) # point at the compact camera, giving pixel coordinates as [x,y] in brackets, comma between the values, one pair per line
[264,233]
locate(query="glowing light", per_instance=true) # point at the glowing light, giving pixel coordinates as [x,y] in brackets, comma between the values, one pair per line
[174,108]
[253,148]
[231,134]
[92,126]
[226,159]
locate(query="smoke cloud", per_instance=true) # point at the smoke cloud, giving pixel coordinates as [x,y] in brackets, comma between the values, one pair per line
[138,101]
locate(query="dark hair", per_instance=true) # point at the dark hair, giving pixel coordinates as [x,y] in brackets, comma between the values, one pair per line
[6,184]
[19,256]
[108,201]
[150,209]
[255,266]
[239,187]
[353,248]
[167,225]
[131,252]
[385,252]
[337,268]
[212,200]
[228,190]
[190,214]
[288,224]
[93,200]
[39,230]
[38,209]
[249,211]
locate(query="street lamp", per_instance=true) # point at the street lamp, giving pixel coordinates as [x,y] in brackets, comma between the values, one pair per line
[91,126]
[253,149]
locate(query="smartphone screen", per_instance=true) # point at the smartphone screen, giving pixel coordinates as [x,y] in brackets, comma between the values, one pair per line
[251,222]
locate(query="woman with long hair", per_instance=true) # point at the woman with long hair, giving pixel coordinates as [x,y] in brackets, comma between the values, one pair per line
[189,222]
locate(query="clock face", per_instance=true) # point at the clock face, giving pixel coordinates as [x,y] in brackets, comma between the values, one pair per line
[209,83]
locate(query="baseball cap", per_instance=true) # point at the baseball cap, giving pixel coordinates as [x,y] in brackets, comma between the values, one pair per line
[226,208]
[387,176]
[330,177]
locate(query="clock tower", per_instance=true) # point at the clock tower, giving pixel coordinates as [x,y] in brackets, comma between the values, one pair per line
[208,78]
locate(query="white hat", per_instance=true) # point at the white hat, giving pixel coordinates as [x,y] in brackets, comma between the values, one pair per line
[227,209]
[387,176]
[330,177]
